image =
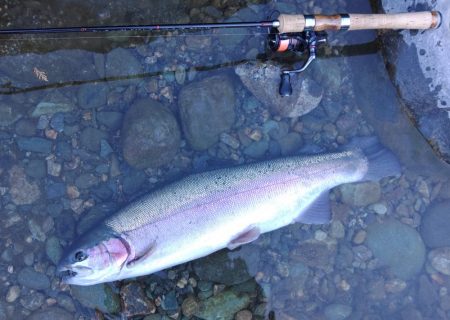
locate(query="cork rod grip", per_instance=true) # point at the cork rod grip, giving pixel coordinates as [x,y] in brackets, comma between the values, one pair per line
[413,20]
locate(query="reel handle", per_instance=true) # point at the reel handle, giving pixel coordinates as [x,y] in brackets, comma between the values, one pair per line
[289,23]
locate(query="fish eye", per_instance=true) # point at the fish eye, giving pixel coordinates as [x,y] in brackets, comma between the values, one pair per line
[80,256]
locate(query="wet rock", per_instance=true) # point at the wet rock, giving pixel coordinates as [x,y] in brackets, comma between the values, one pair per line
[52,313]
[55,190]
[25,127]
[417,64]
[257,149]
[263,81]
[34,280]
[53,249]
[222,306]
[189,306]
[36,168]
[133,181]
[337,311]
[92,95]
[86,180]
[12,294]
[8,114]
[92,217]
[32,301]
[436,225]
[22,190]
[134,301]
[50,63]
[207,110]
[360,194]
[440,260]
[397,246]
[150,135]
[314,253]
[169,301]
[218,267]
[91,138]
[244,315]
[57,122]
[54,102]
[427,296]
[122,62]
[111,119]
[35,144]
[290,143]
[99,296]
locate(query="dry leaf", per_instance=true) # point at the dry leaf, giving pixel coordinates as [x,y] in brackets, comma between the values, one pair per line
[41,75]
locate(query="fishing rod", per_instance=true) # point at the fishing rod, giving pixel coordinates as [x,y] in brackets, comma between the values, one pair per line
[297,33]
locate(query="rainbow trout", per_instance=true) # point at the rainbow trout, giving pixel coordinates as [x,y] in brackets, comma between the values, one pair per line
[224,208]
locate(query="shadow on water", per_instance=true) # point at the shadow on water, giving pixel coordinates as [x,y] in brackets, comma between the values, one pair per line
[63,168]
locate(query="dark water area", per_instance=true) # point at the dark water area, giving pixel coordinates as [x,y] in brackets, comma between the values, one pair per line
[72,153]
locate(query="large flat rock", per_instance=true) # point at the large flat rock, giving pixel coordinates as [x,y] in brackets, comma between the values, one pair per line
[418,63]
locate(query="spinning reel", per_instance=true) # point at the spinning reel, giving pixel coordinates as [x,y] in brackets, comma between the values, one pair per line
[302,42]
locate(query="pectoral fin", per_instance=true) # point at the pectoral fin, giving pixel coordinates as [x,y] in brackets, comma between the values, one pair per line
[245,237]
[318,212]
[142,257]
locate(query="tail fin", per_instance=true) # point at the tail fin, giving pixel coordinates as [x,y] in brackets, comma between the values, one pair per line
[382,162]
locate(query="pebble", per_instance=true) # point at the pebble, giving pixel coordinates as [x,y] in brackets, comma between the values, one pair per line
[53,249]
[229,140]
[53,168]
[34,144]
[337,229]
[169,301]
[379,208]
[29,278]
[337,311]
[12,294]
[360,194]
[22,190]
[244,315]
[180,74]
[320,235]
[436,225]
[440,260]
[99,296]
[32,301]
[360,237]
[189,306]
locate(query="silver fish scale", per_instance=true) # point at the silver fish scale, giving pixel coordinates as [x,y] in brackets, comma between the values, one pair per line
[197,189]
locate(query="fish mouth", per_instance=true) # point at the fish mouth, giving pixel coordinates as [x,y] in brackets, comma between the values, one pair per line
[67,273]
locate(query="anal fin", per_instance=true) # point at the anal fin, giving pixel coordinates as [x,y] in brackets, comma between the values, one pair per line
[245,237]
[318,212]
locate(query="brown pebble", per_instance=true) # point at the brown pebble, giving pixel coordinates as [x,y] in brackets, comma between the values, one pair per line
[244,315]
[360,237]
[189,306]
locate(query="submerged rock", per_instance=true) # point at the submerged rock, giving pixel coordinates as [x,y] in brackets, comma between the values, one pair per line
[263,81]
[218,267]
[150,135]
[222,306]
[52,313]
[122,63]
[436,225]
[99,296]
[440,260]
[397,246]
[134,301]
[207,110]
[22,190]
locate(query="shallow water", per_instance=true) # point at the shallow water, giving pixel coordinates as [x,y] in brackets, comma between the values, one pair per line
[63,168]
